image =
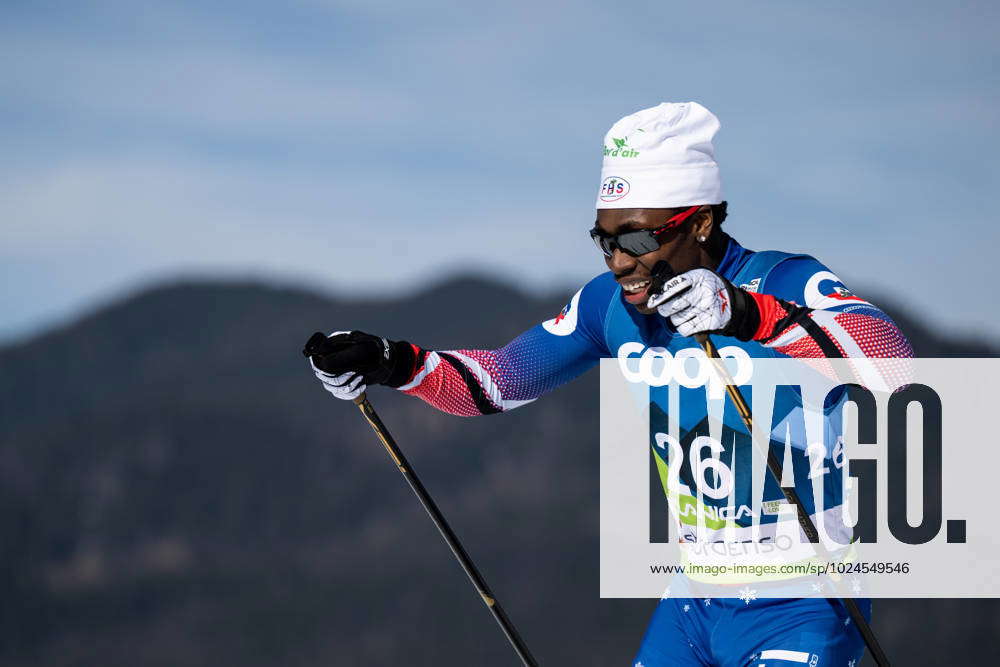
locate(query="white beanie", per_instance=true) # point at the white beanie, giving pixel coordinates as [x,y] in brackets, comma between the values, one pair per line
[661,158]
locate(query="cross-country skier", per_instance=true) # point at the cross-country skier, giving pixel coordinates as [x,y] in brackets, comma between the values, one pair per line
[660,199]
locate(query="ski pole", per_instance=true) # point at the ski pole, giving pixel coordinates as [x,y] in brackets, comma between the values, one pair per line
[805,522]
[446,532]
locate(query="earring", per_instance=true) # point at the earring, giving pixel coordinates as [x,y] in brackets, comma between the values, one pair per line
[701,239]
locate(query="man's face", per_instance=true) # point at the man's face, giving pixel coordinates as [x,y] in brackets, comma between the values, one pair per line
[677,246]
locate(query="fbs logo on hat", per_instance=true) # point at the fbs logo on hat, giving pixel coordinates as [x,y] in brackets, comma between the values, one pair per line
[614,188]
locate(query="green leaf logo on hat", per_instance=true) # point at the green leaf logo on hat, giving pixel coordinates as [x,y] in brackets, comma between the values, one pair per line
[621,149]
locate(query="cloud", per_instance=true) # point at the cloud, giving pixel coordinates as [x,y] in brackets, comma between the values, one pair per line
[306,138]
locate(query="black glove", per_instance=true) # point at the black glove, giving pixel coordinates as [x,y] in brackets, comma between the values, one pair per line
[378,360]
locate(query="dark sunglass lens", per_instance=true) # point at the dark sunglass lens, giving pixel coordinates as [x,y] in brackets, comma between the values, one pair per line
[638,242]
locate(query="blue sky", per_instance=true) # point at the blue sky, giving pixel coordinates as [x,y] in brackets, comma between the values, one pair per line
[370,147]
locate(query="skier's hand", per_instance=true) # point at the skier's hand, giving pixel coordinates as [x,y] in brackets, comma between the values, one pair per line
[702,301]
[346,386]
[347,361]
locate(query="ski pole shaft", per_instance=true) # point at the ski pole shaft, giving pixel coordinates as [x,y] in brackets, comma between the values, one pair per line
[446,532]
[805,522]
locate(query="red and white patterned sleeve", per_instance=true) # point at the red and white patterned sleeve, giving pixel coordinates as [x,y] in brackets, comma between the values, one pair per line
[482,382]
[807,312]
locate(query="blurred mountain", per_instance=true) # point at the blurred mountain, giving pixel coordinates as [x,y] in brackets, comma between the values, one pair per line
[176,489]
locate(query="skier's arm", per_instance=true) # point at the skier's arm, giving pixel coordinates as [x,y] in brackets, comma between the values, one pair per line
[470,382]
[480,382]
[833,322]
[802,310]
[477,382]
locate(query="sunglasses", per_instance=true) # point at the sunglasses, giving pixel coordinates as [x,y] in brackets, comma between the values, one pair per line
[639,241]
